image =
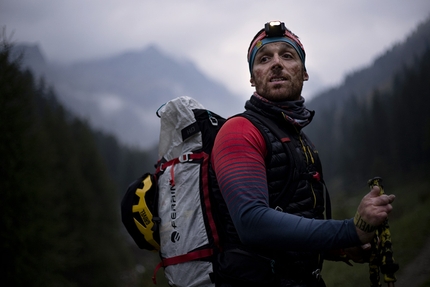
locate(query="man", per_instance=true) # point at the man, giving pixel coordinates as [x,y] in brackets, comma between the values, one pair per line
[273,206]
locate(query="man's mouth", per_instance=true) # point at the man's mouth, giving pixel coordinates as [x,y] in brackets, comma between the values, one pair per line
[278,79]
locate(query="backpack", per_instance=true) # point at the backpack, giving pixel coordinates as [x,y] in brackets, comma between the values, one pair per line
[170,210]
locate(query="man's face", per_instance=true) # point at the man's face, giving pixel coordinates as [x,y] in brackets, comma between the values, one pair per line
[278,72]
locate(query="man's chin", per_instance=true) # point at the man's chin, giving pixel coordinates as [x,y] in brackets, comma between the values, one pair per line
[280,96]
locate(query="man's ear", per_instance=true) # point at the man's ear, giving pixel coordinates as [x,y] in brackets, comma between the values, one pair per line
[252,82]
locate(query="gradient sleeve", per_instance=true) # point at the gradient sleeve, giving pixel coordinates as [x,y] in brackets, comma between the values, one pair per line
[238,159]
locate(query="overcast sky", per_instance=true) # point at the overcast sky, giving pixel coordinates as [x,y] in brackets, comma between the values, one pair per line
[339,36]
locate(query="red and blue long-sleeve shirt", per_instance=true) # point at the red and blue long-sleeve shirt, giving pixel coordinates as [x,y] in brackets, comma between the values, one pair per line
[238,159]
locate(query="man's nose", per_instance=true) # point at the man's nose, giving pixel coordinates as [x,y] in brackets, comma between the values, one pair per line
[276,60]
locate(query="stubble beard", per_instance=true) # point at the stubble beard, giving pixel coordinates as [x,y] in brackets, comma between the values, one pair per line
[282,92]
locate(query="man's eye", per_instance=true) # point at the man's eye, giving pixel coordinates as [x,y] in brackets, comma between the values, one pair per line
[287,56]
[264,59]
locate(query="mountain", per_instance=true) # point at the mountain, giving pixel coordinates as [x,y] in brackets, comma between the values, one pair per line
[120,94]
[354,119]
[379,75]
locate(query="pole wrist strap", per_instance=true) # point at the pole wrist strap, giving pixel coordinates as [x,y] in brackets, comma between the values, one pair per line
[363,225]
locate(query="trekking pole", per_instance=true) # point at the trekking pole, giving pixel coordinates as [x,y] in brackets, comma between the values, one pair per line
[381,257]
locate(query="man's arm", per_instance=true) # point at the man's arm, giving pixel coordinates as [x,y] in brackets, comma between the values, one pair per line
[238,159]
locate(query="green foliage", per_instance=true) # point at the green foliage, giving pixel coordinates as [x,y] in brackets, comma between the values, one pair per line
[60,219]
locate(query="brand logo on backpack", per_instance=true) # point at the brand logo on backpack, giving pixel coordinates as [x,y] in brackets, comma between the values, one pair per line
[175,236]
[173,206]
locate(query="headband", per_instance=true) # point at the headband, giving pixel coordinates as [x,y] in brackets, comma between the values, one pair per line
[263,37]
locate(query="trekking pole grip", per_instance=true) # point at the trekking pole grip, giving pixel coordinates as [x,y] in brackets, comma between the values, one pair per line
[382,254]
[376,181]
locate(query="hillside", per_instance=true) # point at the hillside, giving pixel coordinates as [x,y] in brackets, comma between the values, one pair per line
[371,102]
[382,130]
[379,75]
[390,137]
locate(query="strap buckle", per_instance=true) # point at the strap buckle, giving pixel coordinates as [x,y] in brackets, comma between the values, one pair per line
[185,157]
[317,274]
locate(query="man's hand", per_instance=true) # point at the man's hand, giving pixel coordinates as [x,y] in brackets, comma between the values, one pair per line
[372,212]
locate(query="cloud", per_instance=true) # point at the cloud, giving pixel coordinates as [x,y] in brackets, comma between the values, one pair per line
[109,103]
[339,36]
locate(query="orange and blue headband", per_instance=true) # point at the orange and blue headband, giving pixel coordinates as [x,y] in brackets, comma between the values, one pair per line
[275,32]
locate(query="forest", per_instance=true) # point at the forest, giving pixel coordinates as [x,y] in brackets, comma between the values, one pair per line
[61,182]
[59,203]
[385,132]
